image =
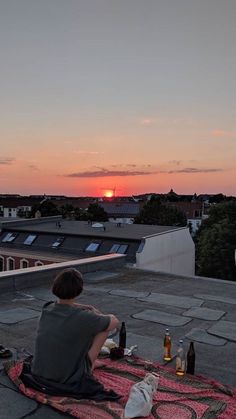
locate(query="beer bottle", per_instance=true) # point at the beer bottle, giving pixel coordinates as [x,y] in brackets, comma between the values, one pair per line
[180,359]
[191,359]
[122,336]
[167,346]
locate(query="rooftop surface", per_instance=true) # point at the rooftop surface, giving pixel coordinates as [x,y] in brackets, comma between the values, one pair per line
[125,231]
[198,309]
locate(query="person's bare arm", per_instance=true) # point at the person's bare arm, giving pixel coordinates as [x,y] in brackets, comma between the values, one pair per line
[114,323]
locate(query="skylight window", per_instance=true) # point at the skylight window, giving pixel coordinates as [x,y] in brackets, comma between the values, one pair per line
[118,248]
[114,248]
[10,237]
[58,242]
[30,239]
[122,249]
[92,247]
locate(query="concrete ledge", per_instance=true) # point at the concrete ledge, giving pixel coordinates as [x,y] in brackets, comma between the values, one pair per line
[39,275]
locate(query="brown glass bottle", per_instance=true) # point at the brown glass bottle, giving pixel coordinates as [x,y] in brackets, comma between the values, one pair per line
[167,346]
[191,359]
[122,336]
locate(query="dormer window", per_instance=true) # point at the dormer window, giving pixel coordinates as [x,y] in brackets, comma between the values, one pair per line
[30,239]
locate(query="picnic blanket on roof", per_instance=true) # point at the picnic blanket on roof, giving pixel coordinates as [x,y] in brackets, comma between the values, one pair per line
[185,397]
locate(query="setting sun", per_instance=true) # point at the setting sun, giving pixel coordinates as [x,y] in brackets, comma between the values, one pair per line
[109,193]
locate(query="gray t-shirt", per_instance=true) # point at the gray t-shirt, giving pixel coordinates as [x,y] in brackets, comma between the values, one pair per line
[65,335]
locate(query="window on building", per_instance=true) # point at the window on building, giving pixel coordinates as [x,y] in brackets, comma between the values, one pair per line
[10,264]
[10,237]
[38,263]
[24,263]
[58,242]
[141,246]
[122,249]
[6,237]
[1,264]
[118,248]
[114,248]
[92,247]
[30,239]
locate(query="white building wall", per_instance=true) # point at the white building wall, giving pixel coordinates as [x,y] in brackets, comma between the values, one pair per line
[9,212]
[195,224]
[172,252]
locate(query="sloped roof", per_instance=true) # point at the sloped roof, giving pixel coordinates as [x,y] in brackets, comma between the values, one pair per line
[121,208]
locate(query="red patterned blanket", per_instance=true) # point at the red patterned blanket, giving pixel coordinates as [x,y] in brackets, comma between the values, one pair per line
[177,397]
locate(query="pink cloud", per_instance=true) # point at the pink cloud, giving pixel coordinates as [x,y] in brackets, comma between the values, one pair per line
[147,121]
[223,133]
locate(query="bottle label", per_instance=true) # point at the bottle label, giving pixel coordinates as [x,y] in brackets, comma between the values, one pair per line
[167,353]
[180,364]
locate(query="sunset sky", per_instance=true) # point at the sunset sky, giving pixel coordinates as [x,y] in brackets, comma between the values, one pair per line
[137,95]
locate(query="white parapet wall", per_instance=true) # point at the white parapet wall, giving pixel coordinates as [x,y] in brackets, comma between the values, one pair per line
[172,251]
[35,276]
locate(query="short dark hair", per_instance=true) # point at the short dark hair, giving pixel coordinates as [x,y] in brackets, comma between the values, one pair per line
[68,284]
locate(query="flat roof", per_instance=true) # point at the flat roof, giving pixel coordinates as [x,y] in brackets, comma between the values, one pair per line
[193,308]
[82,228]
[196,309]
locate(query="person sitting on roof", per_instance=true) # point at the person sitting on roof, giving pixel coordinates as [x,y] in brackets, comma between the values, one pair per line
[68,342]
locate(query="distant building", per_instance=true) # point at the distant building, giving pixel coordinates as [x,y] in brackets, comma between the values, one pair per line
[14,207]
[120,211]
[194,212]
